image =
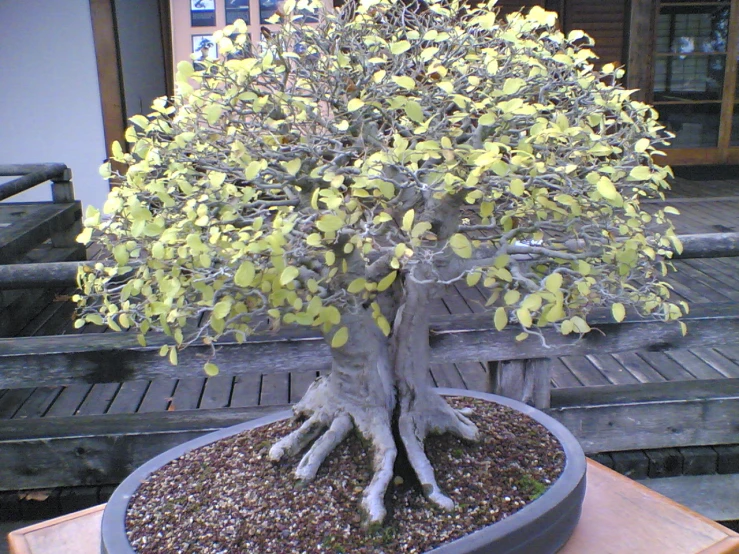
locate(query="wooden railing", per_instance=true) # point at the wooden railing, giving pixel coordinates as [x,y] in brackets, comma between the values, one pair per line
[60,451]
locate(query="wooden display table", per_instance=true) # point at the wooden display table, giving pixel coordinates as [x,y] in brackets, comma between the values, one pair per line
[619,517]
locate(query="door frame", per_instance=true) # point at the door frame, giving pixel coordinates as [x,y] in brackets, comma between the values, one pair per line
[109,67]
[640,75]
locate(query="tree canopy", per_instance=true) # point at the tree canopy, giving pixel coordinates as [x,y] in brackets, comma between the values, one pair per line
[288,182]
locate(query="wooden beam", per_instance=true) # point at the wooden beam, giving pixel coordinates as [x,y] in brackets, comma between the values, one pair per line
[63,274]
[709,245]
[101,449]
[117,357]
[641,48]
[650,415]
[30,180]
[105,36]
[11,170]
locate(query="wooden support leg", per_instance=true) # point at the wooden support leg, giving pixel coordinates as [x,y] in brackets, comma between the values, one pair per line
[62,192]
[526,380]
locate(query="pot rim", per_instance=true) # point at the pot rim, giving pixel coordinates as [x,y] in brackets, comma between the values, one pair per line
[569,488]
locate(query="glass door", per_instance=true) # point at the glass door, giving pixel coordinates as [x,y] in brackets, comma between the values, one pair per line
[695,77]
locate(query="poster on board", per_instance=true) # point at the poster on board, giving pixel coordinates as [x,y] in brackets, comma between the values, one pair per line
[202,13]
[203,48]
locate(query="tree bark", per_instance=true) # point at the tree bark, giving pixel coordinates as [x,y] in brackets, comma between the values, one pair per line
[359,392]
[373,380]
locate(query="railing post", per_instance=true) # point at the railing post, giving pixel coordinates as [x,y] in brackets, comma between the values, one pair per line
[62,192]
[528,381]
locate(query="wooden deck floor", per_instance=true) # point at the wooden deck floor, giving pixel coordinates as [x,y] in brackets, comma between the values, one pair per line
[697,281]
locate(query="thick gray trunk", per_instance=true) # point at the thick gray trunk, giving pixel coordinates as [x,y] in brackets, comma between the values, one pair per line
[368,374]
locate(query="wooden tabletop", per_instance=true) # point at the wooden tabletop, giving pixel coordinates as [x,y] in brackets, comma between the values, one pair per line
[619,517]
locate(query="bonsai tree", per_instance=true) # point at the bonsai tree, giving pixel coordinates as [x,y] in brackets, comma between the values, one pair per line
[344,172]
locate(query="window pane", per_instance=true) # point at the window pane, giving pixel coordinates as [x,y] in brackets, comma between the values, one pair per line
[688,78]
[237,9]
[692,29]
[692,124]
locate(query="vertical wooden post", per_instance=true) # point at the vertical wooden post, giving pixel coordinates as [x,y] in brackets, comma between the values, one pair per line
[62,192]
[640,41]
[528,381]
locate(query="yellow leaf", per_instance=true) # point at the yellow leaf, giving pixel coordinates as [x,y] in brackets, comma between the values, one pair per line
[606,189]
[618,311]
[553,282]
[473,278]
[386,281]
[211,369]
[512,85]
[288,275]
[400,47]
[340,337]
[357,285]
[408,220]
[244,276]
[414,111]
[516,187]
[354,104]
[524,317]
[641,145]
[404,82]
[500,319]
[328,223]
[671,210]
[640,173]
[461,245]
[511,297]
[212,113]
[293,166]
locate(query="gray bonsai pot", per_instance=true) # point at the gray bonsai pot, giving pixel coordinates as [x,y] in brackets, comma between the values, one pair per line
[541,527]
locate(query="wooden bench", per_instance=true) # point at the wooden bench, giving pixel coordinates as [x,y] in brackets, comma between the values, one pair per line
[35,232]
[619,517]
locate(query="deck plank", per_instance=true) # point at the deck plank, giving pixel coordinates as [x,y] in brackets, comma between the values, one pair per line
[13,400]
[562,377]
[585,371]
[128,398]
[246,391]
[187,393]
[38,402]
[693,364]
[720,363]
[217,392]
[99,399]
[274,390]
[666,366]
[158,395]
[612,369]
[69,400]
[640,369]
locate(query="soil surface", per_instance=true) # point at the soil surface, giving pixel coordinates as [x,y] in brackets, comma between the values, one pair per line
[227,497]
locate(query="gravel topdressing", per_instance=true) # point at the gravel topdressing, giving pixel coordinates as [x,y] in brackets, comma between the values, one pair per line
[227,497]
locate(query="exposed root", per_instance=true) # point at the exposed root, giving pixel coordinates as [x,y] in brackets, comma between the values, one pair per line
[432,415]
[329,421]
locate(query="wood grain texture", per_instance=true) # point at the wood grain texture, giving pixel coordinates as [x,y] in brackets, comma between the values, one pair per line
[117,357]
[620,516]
[77,532]
[650,415]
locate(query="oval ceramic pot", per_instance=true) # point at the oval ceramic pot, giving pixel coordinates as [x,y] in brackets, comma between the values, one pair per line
[541,527]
